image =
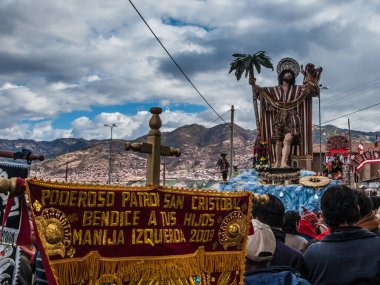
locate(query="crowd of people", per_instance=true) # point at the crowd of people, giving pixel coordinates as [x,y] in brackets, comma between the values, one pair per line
[340,245]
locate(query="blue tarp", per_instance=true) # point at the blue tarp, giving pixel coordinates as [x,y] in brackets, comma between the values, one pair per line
[293,196]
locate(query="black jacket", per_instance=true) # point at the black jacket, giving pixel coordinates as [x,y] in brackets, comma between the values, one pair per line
[285,255]
[348,255]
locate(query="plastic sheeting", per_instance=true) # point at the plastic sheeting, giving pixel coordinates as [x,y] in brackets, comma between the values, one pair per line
[293,196]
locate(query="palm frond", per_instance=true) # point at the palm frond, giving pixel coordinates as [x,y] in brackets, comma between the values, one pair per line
[248,62]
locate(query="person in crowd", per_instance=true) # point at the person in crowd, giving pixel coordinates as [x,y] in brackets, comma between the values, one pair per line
[349,254]
[260,248]
[27,258]
[367,219]
[272,214]
[223,165]
[376,204]
[336,165]
[291,227]
[40,273]
[307,224]
[235,171]
[320,226]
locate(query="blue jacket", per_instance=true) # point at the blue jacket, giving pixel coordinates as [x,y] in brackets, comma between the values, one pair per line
[282,275]
[348,255]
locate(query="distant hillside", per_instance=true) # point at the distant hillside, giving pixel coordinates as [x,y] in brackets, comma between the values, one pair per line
[202,136]
[189,134]
[88,160]
[47,148]
[329,131]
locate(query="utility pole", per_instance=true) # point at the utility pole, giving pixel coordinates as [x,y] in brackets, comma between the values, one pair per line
[320,127]
[349,153]
[232,140]
[67,163]
[110,154]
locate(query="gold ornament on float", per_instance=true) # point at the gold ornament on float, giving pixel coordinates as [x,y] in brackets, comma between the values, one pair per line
[315,181]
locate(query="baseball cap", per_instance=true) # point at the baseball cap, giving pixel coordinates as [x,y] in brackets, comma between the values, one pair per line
[262,244]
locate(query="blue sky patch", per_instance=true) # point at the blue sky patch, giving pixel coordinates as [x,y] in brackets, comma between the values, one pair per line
[179,23]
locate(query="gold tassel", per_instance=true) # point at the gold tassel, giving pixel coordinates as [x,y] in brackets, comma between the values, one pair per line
[94,267]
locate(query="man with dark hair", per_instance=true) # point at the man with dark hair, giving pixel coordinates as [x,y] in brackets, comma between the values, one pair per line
[286,113]
[368,219]
[349,254]
[376,205]
[291,228]
[272,214]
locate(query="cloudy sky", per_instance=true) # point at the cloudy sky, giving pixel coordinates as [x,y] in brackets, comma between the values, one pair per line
[68,67]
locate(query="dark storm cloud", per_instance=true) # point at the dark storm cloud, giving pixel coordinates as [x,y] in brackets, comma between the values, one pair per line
[29,66]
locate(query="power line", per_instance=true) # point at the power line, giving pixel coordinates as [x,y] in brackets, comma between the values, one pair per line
[371,84]
[209,124]
[328,102]
[355,119]
[352,113]
[349,97]
[180,69]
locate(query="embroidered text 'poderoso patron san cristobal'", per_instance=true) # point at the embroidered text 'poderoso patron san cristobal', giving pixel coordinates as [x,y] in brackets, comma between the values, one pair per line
[96,234]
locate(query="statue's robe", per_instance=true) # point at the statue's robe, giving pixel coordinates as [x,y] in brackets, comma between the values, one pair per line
[297,103]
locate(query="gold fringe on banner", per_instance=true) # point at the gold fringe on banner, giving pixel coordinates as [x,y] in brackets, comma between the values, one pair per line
[93,267]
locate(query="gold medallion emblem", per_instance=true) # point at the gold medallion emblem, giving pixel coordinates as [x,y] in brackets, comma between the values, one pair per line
[233,229]
[55,231]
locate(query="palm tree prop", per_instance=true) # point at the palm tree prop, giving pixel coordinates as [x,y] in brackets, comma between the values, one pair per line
[245,63]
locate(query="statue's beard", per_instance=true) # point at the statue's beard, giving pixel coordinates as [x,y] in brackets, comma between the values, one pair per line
[288,80]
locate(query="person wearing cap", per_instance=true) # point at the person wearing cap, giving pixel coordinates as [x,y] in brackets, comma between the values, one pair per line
[286,114]
[259,252]
[348,254]
[272,214]
[223,165]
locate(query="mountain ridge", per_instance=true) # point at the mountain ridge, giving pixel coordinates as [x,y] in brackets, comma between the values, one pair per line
[88,160]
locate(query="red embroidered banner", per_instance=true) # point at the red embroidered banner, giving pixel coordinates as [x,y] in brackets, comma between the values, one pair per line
[98,234]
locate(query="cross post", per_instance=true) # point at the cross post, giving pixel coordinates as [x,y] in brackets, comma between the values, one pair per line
[153,148]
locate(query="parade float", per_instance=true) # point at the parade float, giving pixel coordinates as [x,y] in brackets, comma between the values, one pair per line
[284,134]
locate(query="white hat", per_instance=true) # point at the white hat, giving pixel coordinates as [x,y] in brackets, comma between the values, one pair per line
[262,244]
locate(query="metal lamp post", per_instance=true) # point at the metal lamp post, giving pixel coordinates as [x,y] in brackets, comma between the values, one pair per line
[110,154]
[320,127]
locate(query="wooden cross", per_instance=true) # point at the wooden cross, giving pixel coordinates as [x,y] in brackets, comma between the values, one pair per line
[154,148]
